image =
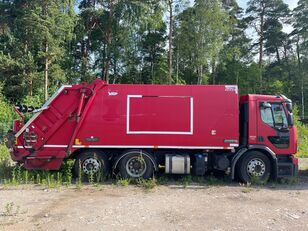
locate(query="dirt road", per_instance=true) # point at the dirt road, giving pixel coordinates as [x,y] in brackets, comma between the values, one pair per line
[171,207]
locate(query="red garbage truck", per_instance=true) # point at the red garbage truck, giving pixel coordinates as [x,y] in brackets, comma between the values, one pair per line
[135,130]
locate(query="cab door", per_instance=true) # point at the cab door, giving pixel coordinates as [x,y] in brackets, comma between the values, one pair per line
[273,130]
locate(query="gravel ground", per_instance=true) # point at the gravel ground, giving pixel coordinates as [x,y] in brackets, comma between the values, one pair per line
[171,207]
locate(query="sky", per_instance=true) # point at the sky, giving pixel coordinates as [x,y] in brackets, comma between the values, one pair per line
[292,3]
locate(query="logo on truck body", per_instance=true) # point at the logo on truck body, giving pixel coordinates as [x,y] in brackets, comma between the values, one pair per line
[112,93]
[231,88]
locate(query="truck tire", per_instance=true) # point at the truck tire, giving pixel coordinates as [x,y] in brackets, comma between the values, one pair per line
[136,164]
[254,166]
[91,165]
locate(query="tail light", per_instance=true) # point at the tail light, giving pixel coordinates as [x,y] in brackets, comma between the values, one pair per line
[294,160]
[30,137]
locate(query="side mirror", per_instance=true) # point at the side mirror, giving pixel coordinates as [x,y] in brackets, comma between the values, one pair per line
[290,119]
[289,107]
[265,105]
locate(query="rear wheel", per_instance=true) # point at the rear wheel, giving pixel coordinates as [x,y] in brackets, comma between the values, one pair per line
[136,164]
[91,165]
[254,166]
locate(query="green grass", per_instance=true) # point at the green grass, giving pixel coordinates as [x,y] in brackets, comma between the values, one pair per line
[302,133]
[123,182]
[256,181]
[186,180]
[147,184]
[6,163]
[212,180]
[50,179]
[289,180]
[247,190]
[14,175]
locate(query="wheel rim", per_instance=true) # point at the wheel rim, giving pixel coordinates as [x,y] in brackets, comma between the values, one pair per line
[136,166]
[91,165]
[256,167]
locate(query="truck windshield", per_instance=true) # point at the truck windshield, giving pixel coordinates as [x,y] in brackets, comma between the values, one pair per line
[274,116]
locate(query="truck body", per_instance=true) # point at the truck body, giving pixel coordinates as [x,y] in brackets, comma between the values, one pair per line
[194,128]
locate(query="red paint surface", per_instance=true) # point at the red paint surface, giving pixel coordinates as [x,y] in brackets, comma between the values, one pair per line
[160,114]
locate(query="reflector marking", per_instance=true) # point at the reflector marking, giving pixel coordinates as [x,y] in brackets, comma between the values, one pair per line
[190,132]
[132,146]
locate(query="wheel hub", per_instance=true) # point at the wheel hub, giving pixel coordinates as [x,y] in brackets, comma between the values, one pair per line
[256,167]
[91,165]
[136,166]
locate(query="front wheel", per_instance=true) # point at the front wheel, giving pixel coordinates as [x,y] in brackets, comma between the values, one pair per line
[254,166]
[136,164]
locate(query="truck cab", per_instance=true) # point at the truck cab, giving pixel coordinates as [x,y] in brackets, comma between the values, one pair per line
[266,124]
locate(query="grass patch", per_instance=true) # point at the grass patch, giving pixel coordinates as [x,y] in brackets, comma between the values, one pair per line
[123,182]
[6,163]
[147,184]
[186,180]
[289,180]
[247,190]
[302,135]
[256,181]
[212,180]
[12,174]
[162,180]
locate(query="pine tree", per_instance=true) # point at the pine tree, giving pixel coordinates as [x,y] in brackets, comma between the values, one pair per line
[300,34]
[261,14]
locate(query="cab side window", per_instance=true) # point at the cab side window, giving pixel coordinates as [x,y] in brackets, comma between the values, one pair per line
[274,116]
[280,117]
[267,116]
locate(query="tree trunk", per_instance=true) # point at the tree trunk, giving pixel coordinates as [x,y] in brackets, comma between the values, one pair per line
[177,65]
[287,62]
[277,54]
[114,70]
[84,60]
[201,75]
[214,71]
[103,60]
[152,68]
[303,97]
[109,40]
[301,78]
[46,72]
[170,3]
[24,72]
[261,40]
[31,86]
